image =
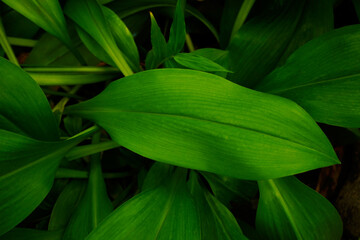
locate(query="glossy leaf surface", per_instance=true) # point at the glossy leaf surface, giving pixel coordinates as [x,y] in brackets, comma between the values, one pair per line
[201,121]
[323,78]
[23,106]
[165,212]
[288,209]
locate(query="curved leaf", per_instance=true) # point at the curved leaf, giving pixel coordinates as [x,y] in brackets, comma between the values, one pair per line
[32,234]
[217,222]
[23,106]
[329,89]
[288,209]
[88,14]
[166,212]
[197,62]
[201,121]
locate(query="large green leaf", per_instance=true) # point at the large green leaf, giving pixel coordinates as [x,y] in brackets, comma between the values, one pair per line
[32,234]
[165,212]
[23,106]
[217,222]
[88,14]
[94,206]
[288,209]
[45,13]
[268,39]
[323,77]
[24,160]
[201,121]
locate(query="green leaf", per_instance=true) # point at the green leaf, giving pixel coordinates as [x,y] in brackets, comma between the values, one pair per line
[24,160]
[177,29]
[32,234]
[88,14]
[94,206]
[4,43]
[166,212]
[23,106]
[159,51]
[198,120]
[123,38]
[278,33]
[66,204]
[197,62]
[127,8]
[217,222]
[47,14]
[228,189]
[323,77]
[288,209]
[156,175]
[48,76]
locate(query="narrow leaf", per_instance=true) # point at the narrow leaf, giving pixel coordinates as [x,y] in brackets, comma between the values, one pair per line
[177,29]
[201,121]
[197,62]
[288,209]
[88,14]
[166,212]
[329,89]
[4,43]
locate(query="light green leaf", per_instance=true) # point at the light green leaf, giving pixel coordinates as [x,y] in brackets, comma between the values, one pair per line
[177,30]
[22,160]
[48,76]
[159,51]
[66,204]
[127,8]
[88,14]
[156,175]
[47,14]
[218,56]
[198,120]
[288,209]
[323,77]
[123,38]
[32,234]
[23,106]
[166,212]
[217,222]
[197,62]
[228,189]
[278,33]
[94,206]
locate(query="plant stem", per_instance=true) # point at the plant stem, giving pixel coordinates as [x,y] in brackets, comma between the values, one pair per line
[6,46]
[22,42]
[241,17]
[82,151]
[189,43]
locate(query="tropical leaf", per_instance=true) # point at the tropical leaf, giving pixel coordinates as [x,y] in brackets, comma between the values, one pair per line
[288,209]
[201,121]
[165,212]
[329,88]
[177,30]
[197,62]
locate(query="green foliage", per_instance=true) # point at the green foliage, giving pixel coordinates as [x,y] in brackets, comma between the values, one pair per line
[180,149]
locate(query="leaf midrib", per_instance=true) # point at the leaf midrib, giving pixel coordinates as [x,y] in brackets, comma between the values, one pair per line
[93,110]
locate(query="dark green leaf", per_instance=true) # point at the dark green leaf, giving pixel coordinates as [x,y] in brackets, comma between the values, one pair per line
[288,209]
[217,222]
[159,51]
[201,121]
[156,175]
[197,62]
[228,16]
[323,77]
[32,234]
[165,212]
[23,106]
[66,205]
[178,30]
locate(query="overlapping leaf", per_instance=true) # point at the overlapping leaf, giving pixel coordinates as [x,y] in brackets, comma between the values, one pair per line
[288,209]
[198,62]
[32,234]
[323,77]
[201,121]
[165,212]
